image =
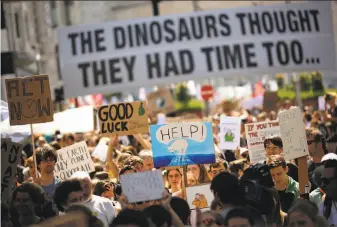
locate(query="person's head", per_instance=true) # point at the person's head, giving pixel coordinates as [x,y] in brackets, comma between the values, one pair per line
[92,220]
[239,217]
[127,170]
[210,219]
[316,143]
[67,193]
[216,206]
[146,156]
[104,189]
[98,168]
[130,218]
[191,179]
[136,162]
[28,198]
[330,98]
[86,184]
[129,150]
[41,141]
[46,157]
[237,167]
[329,179]
[262,117]
[121,160]
[279,171]
[226,189]
[174,178]
[56,145]
[273,146]
[216,168]
[159,216]
[181,208]
[68,139]
[102,175]
[199,171]
[305,213]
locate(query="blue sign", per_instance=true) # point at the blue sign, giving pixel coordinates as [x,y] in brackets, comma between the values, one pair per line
[180,144]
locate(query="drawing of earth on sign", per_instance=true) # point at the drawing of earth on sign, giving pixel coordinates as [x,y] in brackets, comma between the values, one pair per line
[182,144]
[229,135]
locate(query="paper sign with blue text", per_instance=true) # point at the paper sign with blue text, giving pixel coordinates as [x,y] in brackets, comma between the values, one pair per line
[144,186]
[179,144]
[123,118]
[293,134]
[230,129]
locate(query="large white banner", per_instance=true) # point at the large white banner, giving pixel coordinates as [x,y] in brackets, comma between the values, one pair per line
[115,56]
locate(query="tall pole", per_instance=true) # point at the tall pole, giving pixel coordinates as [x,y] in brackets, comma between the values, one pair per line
[155,7]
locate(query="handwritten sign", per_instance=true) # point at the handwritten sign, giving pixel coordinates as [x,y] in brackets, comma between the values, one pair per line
[199,196]
[143,186]
[10,157]
[29,100]
[180,144]
[123,119]
[256,133]
[72,159]
[160,101]
[230,129]
[101,149]
[293,133]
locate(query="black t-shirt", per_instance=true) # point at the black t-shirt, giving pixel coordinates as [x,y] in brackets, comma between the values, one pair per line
[286,200]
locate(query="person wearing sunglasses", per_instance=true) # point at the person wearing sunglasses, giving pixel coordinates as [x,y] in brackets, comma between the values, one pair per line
[329,185]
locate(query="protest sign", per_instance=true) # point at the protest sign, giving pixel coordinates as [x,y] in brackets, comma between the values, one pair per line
[270,99]
[124,55]
[230,131]
[123,119]
[144,186]
[160,101]
[10,157]
[73,158]
[199,196]
[256,133]
[293,133]
[101,149]
[29,100]
[181,144]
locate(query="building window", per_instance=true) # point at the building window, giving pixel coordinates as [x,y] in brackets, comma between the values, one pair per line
[17,25]
[53,13]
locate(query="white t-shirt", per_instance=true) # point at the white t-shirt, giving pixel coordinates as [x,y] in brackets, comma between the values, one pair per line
[102,208]
[333,216]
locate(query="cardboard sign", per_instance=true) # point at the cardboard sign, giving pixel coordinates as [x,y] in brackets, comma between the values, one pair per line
[160,101]
[182,144]
[256,133]
[29,100]
[123,119]
[293,133]
[73,158]
[230,131]
[124,55]
[199,196]
[10,157]
[144,186]
[270,99]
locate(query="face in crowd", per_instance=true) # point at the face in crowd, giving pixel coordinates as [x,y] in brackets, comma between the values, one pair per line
[329,179]
[195,170]
[279,172]
[191,179]
[174,178]
[215,169]
[46,158]
[273,146]
[148,163]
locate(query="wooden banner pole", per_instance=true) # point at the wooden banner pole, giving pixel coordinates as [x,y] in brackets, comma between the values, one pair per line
[34,153]
[303,178]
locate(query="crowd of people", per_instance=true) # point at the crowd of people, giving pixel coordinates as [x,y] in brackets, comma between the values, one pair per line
[245,194]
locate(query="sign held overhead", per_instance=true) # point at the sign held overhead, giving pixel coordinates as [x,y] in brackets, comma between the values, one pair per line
[98,58]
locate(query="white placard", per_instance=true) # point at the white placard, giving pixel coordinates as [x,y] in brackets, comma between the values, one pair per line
[126,55]
[230,131]
[256,133]
[73,158]
[101,149]
[321,103]
[293,133]
[144,186]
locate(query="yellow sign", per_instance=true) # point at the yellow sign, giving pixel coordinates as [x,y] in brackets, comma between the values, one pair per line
[123,119]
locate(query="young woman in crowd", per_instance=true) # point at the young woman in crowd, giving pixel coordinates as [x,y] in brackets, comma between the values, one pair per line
[174,179]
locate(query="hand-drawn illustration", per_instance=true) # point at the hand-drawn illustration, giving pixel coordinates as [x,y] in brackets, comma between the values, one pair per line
[160,102]
[200,201]
[182,144]
[141,110]
[229,136]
